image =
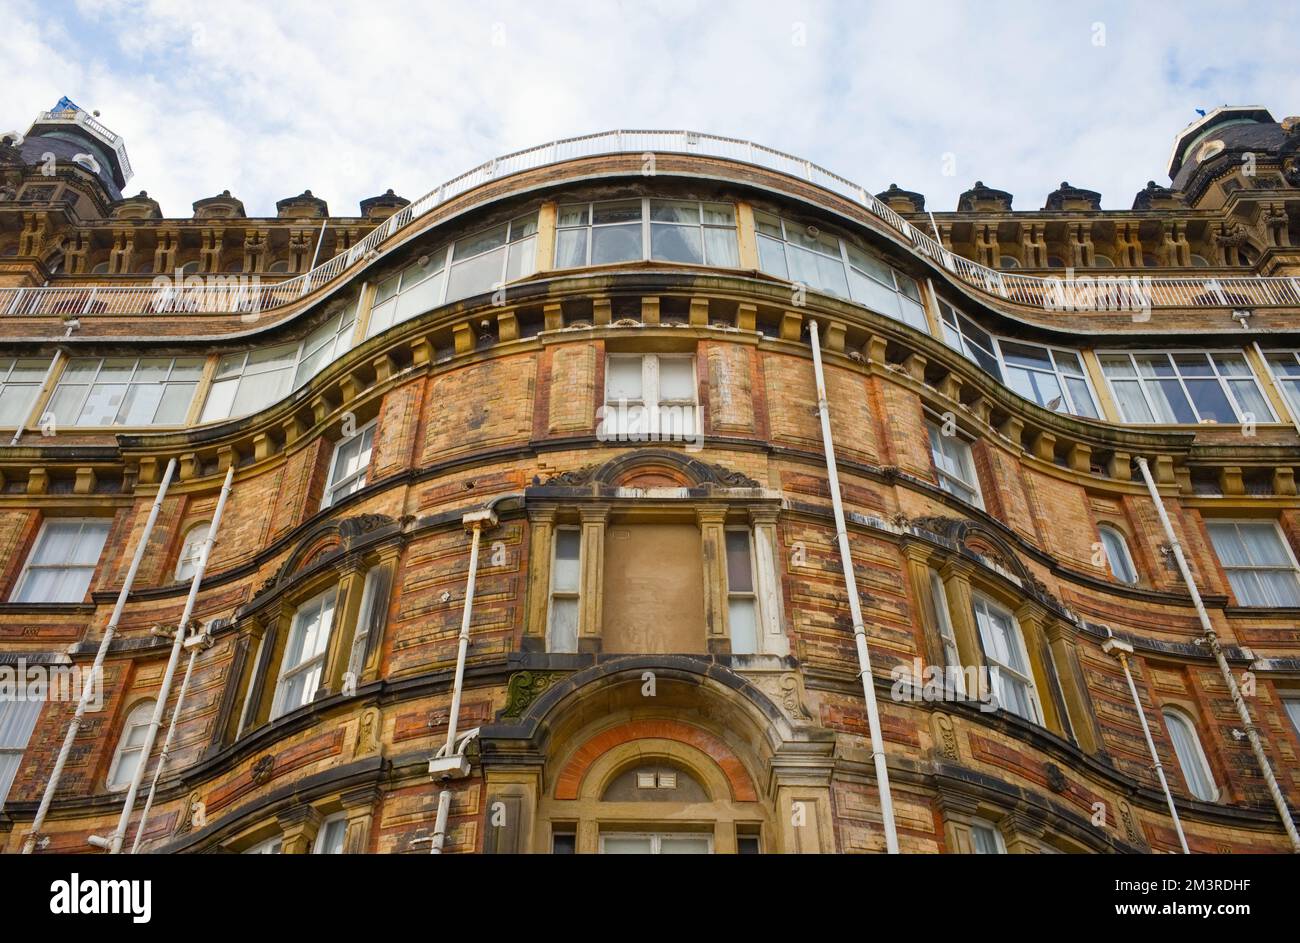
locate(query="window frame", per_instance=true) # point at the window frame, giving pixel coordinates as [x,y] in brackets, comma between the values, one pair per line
[111,782]
[87,387]
[1200,758]
[953,673]
[1025,677]
[27,722]
[1125,553]
[304,665]
[332,495]
[652,400]
[751,594]
[947,478]
[554,593]
[318,843]
[182,559]
[1143,381]
[28,565]
[1293,568]
[1288,382]
[7,367]
[1068,405]
[656,839]
[647,231]
[984,825]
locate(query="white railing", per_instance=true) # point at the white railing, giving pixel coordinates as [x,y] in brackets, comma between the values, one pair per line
[1029,290]
[87,121]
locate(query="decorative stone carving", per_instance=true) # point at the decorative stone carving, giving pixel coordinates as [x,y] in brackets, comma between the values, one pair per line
[262,770]
[368,732]
[524,687]
[945,736]
[1056,780]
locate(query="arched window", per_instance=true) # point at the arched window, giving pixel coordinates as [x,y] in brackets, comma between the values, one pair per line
[1191,758]
[130,746]
[1117,555]
[191,549]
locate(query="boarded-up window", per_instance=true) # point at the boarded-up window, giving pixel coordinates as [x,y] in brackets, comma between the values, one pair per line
[654,589]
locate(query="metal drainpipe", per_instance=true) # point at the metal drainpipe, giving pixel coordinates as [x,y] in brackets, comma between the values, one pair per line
[119,833]
[474,520]
[855,604]
[1212,639]
[196,643]
[97,668]
[1121,650]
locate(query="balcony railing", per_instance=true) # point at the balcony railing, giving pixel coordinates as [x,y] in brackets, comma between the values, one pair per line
[1094,291]
[86,120]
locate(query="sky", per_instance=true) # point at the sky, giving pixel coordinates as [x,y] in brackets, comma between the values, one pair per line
[267,99]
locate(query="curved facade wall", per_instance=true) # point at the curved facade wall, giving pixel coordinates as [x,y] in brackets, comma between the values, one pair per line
[613,372]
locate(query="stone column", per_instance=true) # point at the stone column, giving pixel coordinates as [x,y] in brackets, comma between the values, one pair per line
[541,541]
[767,586]
[591,582]
[714,552]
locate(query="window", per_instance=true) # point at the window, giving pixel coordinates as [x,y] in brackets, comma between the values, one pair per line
[349,465]
[655,843]
[272,846]
[954,677]
[1286,368]
[20,381]
[637,229]
[955,465]
[1008,662]
[1186,387]
[986,838]
[649,397]
[375,586]
[1117,556]
[304,653]
[329,838]
[564,843]
[130,745]
[17,720]
[1258,562]
[126,391]
[829,264]
[1292,705]
[250,380]
[563,618]
[1191,758]
[191,551]
[63,561]
[1054,379]
[479,262]
[969,339]
[742,601]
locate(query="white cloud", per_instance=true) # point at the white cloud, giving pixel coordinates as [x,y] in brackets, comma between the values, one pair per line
[266,100]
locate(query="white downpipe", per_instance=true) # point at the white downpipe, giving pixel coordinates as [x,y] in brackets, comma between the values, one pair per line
[97,668]
[1121,650]
[1212,639]
[196,643]
[855,604]
[119,833]
[462,651]
[40,394]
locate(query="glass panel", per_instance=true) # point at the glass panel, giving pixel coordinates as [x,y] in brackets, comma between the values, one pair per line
[564,625]
[1081,398]
[623,379]
[666,211]
[676,379]
[676,244]
[571,248]
[742,616]
[1193,365]
[1211,403]
[626,844]
[523,259]
[739,569]
[984,840]
[16,403]
[1250,400]
[719,214]
[1131,402]
[478,275]
[616,244]
[473,245]
[1026,356]
[683,845]
[572,214]
[564,575]
[139,403]
[771,257]
[619,211]
[720,248]
[425,296]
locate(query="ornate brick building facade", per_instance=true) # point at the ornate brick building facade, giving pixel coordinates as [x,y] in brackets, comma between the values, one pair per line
[529,542]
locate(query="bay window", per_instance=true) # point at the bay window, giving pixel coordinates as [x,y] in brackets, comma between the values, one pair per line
[1052,378]
[1185,387]
[62,562]
[304,653]
[126,391]
[969,339]
[822,261]
[640,228]
[1258,562]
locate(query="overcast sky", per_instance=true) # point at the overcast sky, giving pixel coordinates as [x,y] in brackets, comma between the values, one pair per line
[267,99]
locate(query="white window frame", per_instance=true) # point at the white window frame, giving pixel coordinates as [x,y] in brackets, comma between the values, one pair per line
[918,319]
[29,566]
[1287,380]
[752,594]
[952,482]
[953,673]
[554,593]
[317,604]
[1126,557]
[267,846]
[28,389]
[365,618]
[1068,400]
[1144,381]
[655,407]
[996,667]
[656,839]
[18,719]
[647,235]
[335,487]
[318,846]
[521,246]
[984,825]
[1291,707]
[87,386]
[1198,763]
[144,709]
[187,560]
[1291,565]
